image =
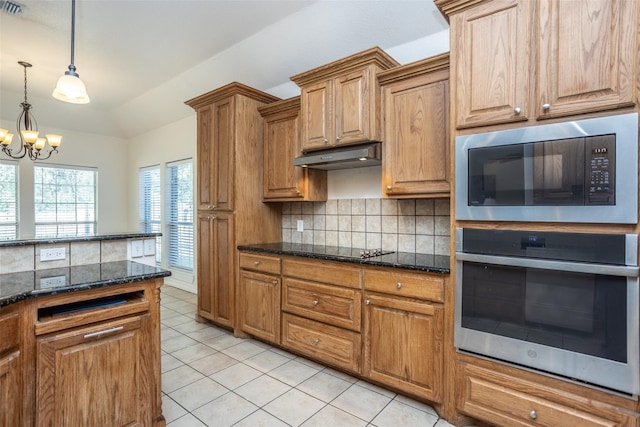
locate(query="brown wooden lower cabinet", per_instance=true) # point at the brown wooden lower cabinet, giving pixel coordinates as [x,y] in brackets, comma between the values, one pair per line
[259,312]
[505,400]
[10,367]
[403,344]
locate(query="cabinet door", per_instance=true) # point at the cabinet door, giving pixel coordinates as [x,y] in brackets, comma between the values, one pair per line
[281,146]
[403,345]
[586,56]
[222,167]
[260,305]
[94,376]
[316,116]
[491,50]
[206,256]
[352,108]
[10,390]
[206,159]
[416,160]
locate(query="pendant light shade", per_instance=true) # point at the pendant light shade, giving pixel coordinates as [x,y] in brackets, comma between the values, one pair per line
[70,88]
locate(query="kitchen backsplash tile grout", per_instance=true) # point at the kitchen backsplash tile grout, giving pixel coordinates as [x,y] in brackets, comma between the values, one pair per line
[420,225]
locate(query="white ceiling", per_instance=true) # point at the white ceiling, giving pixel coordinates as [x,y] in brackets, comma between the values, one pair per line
[141,59]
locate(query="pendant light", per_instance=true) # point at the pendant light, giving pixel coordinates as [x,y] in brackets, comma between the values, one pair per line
[70,88]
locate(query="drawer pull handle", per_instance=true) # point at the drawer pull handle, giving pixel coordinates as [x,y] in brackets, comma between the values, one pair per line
[256,262]
[517,110]
[533,415]
[398,285]
[316,341]
[275,282]
[315,302]
[106,331]
[546,107]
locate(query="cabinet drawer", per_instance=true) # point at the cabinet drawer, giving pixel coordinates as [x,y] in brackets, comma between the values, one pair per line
[330,304]
[9,328]
[267,264]
[505,400]
[328,344]
[320,271]
[405,284]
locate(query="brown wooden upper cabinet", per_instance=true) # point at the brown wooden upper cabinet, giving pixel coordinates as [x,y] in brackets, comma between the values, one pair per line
[514,60]
[283,181]
[340,101]
[416,129]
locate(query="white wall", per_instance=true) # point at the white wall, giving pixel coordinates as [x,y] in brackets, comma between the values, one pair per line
[108,154]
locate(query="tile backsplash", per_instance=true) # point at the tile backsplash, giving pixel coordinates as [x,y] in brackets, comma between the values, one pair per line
[414,225]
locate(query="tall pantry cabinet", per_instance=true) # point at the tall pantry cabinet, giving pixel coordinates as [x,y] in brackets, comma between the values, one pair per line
[229,181]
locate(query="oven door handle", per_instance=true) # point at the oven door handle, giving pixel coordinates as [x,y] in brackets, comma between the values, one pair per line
[576,267]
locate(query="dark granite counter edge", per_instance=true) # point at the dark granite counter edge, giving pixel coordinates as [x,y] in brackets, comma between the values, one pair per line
[11,299]
[326,257]
[120,236]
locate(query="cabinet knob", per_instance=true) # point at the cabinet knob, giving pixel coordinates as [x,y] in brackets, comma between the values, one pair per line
[398,285]
[533,414]
[389,188]
[367,302]
[326,141]
[256,262]
[337,138]
[316,341]
[546,107]
[517,110]
[315,302]
[275,282]
[212,206]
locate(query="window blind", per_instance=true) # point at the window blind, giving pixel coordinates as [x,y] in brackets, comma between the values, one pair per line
[8,200]
[179,213]
[65,201]
[150,207]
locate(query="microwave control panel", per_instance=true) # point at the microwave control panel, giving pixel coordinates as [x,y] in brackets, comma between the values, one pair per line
[600,169]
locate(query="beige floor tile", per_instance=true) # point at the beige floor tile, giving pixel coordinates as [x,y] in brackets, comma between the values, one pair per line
[262,390]
[193,352]
[222,341]
[324,386]
[418,405]
[171,410]
[175,320]
[243,351]
[266,361]
[189,327]
[361,402]
[261,418]
[225,410]
[179,377]
[198,393]
[396,413]
[168,362]
[293,373]
[294,407]
[177,343]
[376,388]
[186,421]
[206,334]
[330,416]
[209,365]
[167,333]
[236,375]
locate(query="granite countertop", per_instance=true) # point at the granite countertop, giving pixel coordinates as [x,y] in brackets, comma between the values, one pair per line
[113,236]
[410,261]
[25,284]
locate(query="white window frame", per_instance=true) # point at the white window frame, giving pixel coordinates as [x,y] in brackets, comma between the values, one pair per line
[179,223]
[9,217]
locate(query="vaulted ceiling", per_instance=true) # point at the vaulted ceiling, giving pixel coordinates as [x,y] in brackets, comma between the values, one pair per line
[141,59]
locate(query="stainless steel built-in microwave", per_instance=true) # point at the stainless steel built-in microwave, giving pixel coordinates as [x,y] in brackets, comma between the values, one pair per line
[580,171]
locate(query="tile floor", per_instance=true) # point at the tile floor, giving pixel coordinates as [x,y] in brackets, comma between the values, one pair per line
[211,378]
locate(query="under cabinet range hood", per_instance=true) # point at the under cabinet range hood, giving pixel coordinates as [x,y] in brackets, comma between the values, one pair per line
[354,156]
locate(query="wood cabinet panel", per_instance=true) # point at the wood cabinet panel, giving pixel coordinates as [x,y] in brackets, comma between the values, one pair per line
[263,263]
[94,376]
[330,304]
[352,111]
[322,271]
[206,158]
[416,129]
[222,170]
[505,400]
[327,344]
[404,284]
[10,367]
[260,305]
[317,113]
[403,341]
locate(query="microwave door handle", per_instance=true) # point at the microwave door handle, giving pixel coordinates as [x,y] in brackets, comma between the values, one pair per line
[543,264]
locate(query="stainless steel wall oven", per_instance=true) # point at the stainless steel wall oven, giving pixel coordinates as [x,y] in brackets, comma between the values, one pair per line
[581,171]
[561,303]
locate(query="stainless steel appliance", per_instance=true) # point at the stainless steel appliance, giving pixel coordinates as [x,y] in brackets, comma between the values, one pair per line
[580,171]
[560,303]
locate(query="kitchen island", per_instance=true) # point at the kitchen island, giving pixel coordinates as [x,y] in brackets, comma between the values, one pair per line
[80,344]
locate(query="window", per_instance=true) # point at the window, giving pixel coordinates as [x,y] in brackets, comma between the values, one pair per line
[150,206]
[8,200]
[65,201]
[179,207]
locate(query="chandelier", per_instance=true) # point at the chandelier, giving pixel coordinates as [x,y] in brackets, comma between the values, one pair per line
[30,143]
